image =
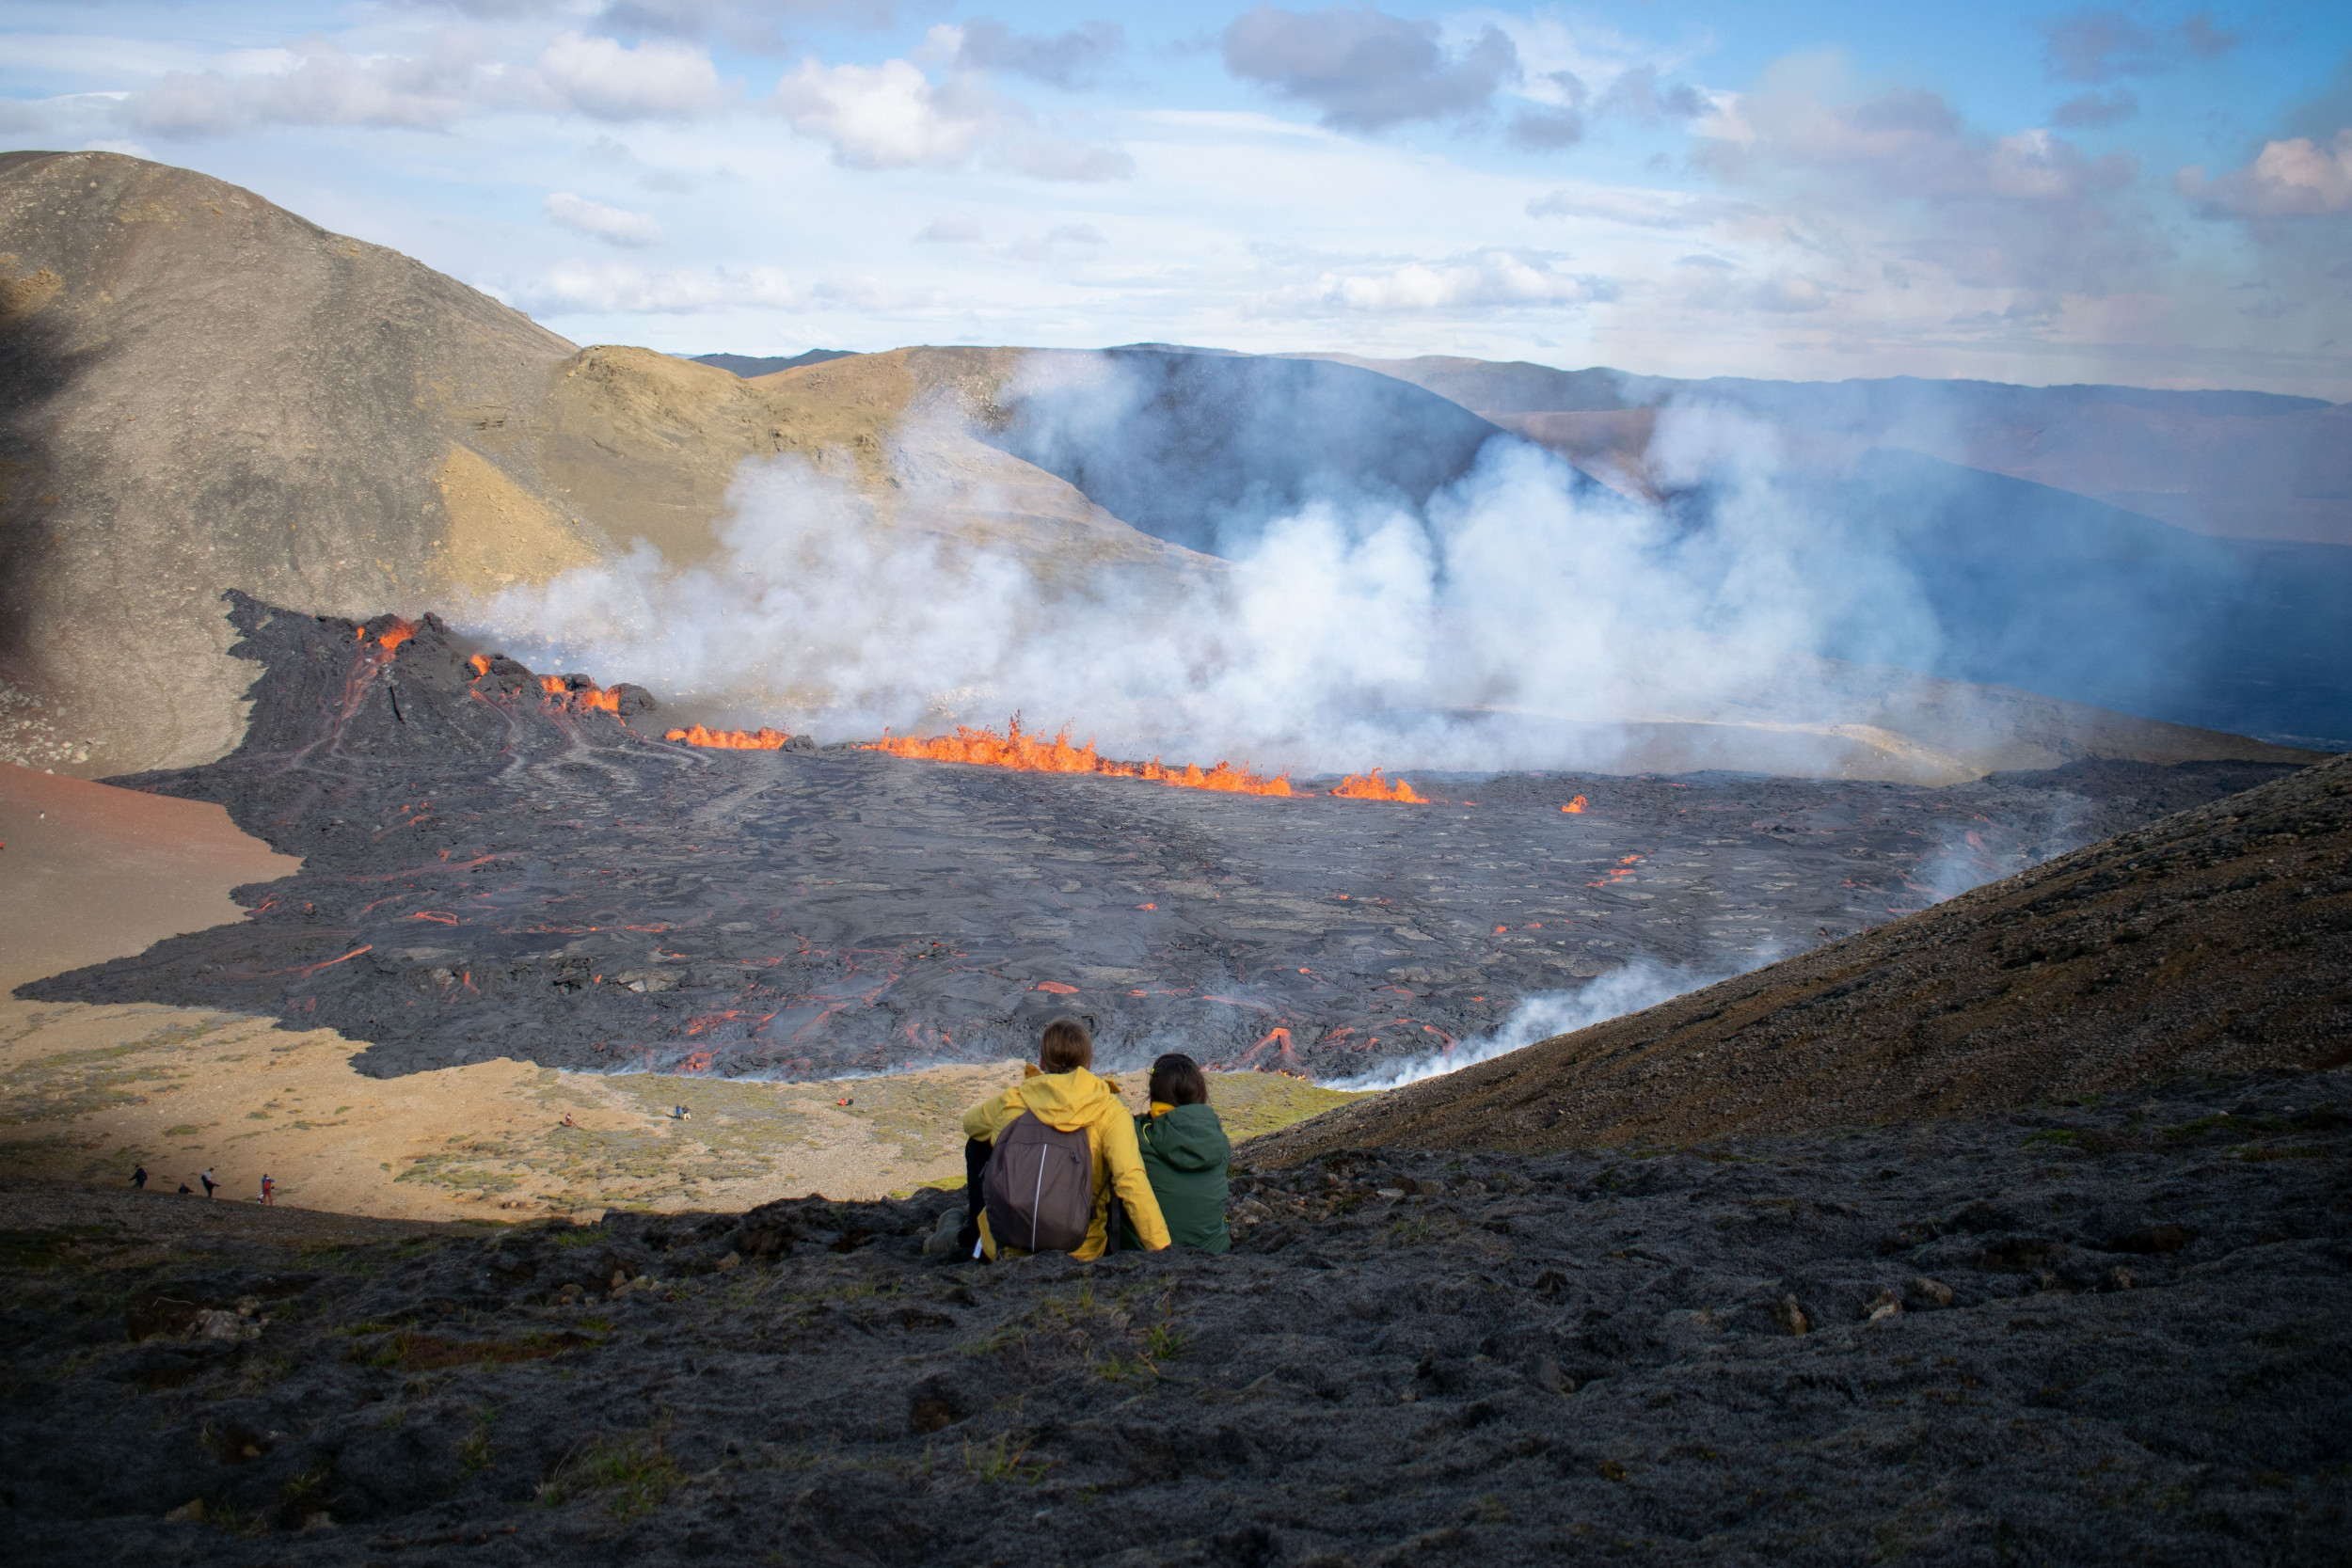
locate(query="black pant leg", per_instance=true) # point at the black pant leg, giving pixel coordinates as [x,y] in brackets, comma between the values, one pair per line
[976,1153]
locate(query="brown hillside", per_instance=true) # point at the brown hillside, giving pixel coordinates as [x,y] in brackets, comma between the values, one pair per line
[200,390]
[2218,939]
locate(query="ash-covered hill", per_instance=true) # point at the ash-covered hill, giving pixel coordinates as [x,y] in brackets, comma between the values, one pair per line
[2218,939]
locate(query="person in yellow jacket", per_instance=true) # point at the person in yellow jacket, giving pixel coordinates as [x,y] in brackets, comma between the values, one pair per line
[1066,1096]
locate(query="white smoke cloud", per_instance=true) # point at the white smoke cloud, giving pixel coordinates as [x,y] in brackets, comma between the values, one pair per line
[1641,984]
[1346,632]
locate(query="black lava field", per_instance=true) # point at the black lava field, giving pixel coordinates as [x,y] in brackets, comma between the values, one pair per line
[494,869]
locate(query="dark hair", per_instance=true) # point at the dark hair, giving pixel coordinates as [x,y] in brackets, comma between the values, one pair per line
[1176,1081]
[1066,1047]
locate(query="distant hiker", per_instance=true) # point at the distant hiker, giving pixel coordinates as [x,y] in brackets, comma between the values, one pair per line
[267,1187]
[208,1183]
[1185,1155]
[567,1120]
[1060,1147]
[138,1179]
[680,1113]
[184,1190]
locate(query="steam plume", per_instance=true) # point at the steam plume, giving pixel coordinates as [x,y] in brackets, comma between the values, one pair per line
[1349,629]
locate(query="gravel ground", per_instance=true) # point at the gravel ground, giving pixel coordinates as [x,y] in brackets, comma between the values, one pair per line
[2108,1332]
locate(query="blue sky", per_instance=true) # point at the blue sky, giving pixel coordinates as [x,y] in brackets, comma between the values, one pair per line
[2138,192]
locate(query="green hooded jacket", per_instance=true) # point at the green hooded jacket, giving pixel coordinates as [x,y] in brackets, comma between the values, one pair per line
[1184,1155]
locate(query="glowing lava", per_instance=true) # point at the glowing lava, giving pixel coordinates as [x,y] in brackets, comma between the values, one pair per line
[1032,753]
[392,636]
[592,696]
[1574,806]
[761,739]
[1372,787]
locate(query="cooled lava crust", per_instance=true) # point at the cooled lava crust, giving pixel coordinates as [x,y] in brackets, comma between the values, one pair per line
[495,869]
[2081,1333]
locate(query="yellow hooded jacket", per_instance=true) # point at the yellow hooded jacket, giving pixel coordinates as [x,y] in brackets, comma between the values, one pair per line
[1067,1102]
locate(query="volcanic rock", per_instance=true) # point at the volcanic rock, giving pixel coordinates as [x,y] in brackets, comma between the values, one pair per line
[1527,1358]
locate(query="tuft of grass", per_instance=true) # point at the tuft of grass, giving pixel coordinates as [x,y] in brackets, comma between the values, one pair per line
[1119,1369]
[993,1462]
[475,1453]
[2062,1137]
[1164,1340]
[636,1471]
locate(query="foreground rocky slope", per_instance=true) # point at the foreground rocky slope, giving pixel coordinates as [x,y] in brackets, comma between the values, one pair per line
[2105,1332]
[2217,939]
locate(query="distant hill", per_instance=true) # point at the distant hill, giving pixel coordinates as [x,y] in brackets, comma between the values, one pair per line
[1201,448]
[2218,939]
[2235,464]
[747,366]
[2183,555]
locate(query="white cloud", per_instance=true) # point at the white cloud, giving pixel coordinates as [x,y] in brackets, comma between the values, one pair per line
[658,79]
[1368,70]
[317,82]
[1482,279]
[575,287]
[320,84]
[888,116]
[613,224]
[893,116]
[1638,208]
[2290,179]
[1900,175]
[950,228]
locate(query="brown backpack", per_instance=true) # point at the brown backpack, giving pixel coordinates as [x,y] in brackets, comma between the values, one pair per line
[1040,1187]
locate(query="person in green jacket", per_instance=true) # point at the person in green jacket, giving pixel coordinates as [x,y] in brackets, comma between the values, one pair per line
[1185,1155]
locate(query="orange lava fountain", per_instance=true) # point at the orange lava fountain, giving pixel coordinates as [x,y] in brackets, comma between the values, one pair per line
[394,636]
[1372,787]
[761,739]
[595,698]
[1574,807]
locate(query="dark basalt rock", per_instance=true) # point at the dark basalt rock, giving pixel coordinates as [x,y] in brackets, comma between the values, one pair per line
[1964,1337]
